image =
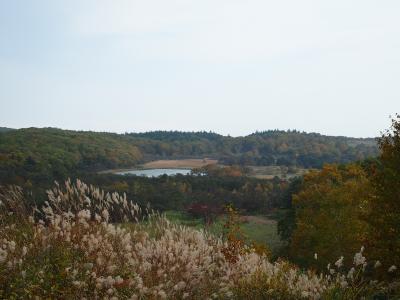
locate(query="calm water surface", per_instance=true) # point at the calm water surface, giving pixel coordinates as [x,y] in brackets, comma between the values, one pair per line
[155,172]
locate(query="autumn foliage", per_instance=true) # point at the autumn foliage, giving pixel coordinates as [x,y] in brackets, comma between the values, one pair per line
[329,214]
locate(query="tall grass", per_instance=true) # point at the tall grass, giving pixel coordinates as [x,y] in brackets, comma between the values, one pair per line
[87,244]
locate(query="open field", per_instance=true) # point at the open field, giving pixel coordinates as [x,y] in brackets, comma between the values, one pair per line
[179,163]
[269,172]
[258,228]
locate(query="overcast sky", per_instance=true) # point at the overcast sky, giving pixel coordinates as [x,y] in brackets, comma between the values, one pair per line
[229,66]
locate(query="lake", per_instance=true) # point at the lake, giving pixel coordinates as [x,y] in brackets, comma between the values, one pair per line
[155,172]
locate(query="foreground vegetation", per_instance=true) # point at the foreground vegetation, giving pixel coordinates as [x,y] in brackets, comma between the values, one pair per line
[84,243]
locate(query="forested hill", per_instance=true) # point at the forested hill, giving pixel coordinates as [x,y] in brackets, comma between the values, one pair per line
[56,153]
[274,147]
[48,153]
[174,136]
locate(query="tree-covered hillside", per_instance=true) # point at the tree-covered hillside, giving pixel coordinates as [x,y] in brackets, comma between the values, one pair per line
[274,147]
[174,136]
[40,154]
[48,153]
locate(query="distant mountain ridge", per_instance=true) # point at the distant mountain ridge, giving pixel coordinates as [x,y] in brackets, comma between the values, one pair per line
[177,135]
[5,129]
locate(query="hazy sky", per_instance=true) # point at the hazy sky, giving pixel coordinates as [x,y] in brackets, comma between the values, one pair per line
[229,66]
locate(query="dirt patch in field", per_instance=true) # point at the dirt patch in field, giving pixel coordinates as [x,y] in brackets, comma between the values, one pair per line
[179,163]
[263,176]
[257,220]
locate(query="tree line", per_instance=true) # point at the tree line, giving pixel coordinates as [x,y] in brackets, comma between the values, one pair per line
[46,154]
[215,190]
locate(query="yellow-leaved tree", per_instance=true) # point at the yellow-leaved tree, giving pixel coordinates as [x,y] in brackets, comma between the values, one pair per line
[329,215]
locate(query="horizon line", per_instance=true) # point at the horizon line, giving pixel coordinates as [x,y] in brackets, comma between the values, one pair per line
[189,131]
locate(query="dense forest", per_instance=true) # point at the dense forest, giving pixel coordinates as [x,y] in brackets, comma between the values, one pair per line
[43,155]
[250,195]
[274,147]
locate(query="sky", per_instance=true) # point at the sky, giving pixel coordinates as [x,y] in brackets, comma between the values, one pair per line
[228,66]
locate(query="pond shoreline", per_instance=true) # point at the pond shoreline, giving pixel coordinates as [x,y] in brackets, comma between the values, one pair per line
[137,168]
[155,172]
[181,164]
